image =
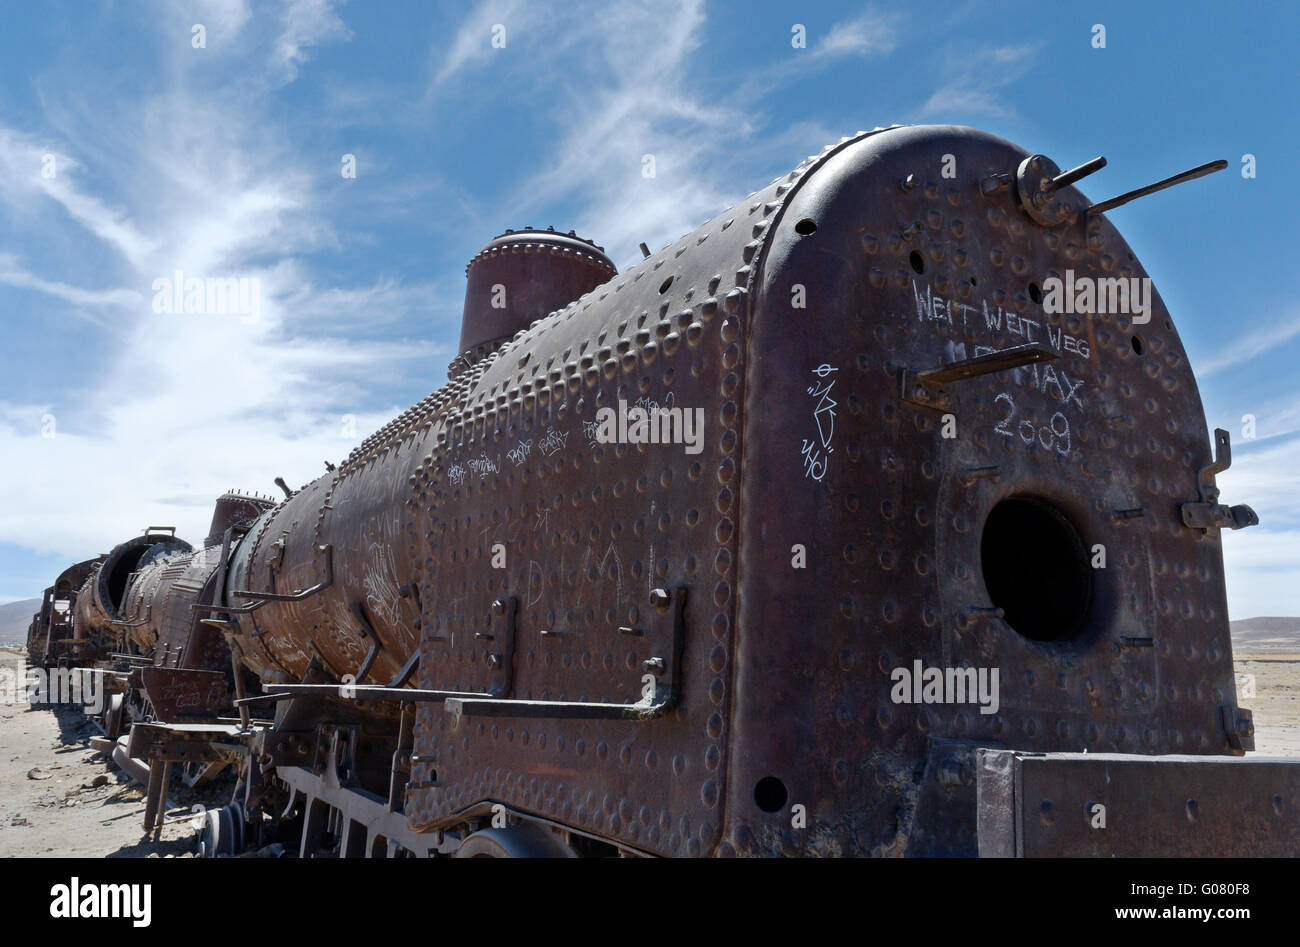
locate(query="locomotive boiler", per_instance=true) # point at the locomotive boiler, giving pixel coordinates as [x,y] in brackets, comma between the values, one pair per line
[940,573]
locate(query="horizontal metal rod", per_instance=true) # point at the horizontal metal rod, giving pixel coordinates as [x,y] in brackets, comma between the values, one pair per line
[561,709]
[1191,175]
[354,692]
[1074,174]
[998,361]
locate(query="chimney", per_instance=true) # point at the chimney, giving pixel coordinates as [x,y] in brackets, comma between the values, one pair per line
[520,277]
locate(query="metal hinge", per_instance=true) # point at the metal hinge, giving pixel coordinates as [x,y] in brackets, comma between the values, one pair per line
[1209,513]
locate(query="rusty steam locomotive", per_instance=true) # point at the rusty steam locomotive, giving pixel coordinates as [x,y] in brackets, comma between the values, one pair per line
[940,574]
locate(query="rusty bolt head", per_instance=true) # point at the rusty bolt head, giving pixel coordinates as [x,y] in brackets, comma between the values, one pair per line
[494,661]
[653,665]
[498,607]
[659,598]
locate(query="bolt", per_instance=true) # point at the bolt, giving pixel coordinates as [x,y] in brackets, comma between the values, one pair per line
[659,598]
[653,665]
[494,661]
[498,607]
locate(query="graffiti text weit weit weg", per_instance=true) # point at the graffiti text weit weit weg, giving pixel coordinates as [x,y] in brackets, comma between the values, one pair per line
[932,308]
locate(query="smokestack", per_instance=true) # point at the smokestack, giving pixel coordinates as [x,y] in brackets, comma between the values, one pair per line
[520,277]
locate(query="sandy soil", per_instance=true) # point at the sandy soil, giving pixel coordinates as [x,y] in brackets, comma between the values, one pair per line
[64,813]
[1276,704]
[50,805]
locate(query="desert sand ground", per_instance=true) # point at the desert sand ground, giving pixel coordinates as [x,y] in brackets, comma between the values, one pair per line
[50,805]
[1276,704]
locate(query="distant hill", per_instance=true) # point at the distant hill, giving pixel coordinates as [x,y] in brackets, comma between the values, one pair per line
[14,619]
[1266,634]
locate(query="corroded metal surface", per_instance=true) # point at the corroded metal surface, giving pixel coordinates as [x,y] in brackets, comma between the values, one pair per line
[181,693]
[1109,805]
[51,639]
[894,517]
[525,275]
[98,611]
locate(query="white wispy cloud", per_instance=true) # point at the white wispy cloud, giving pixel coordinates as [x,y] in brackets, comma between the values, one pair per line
[12,273]
[472,47]
[1251,345]
[613,98]
[307,23]
[203,179]
[974,80]
[870,32]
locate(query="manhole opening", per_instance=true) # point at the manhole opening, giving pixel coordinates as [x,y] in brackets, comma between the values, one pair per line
[1036,569]
[917,261]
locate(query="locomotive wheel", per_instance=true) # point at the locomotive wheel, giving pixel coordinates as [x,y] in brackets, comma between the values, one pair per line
[222,832]
[113,717]
[516,841]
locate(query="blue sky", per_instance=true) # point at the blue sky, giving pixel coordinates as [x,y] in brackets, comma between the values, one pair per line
[224,161]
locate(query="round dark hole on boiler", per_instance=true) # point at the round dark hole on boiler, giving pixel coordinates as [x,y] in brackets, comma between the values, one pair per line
[770,794]
[663,287]
[1035,292]
[1137,344]
[1036,569]
[806,226]
[917,261]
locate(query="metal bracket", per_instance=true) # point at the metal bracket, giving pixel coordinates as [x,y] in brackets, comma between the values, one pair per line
[928,389]
[300,594]
[1238,727]
[366,630]
[667,690]
[503,660]
[261,598]
[1209,513]
[148,614]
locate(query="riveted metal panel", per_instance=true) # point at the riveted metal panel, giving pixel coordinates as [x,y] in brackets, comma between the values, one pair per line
[906,269]
[1107,805]
[588,530]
